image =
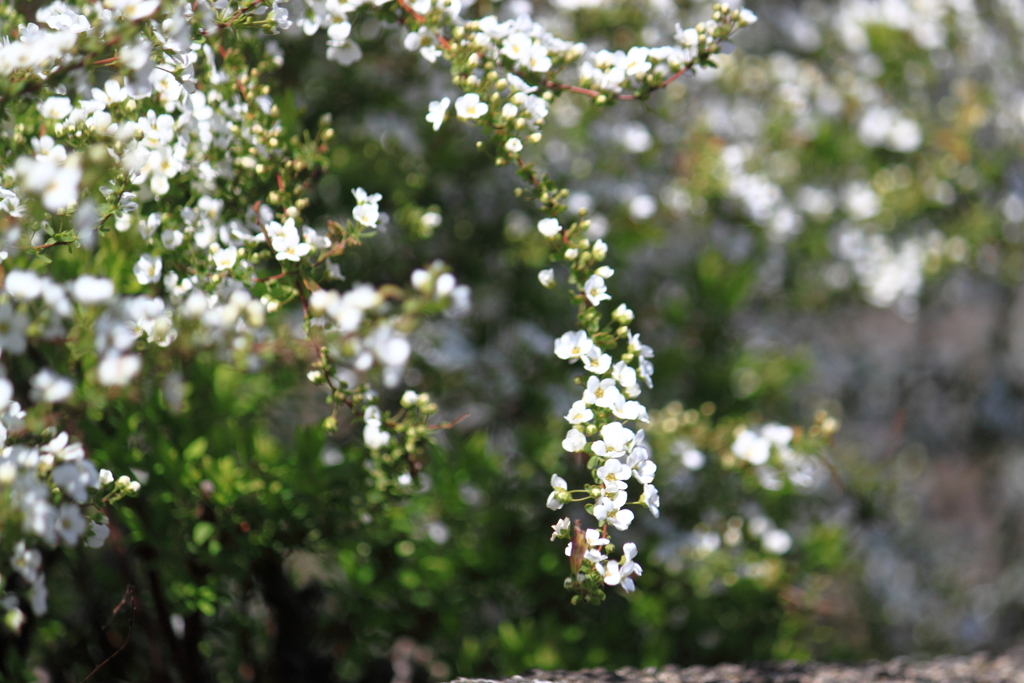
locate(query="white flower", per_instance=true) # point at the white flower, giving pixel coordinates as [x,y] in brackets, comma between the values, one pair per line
[613,475]
[116,370]
[622,314]
[747,17]
[366,211]
[75,479]
[751,447]
[560,529]
[595,290]
[98,534]
[469,106]
[579,413]
[148,269]
[549,227]
[602,393]
[779,435]
[23,284]
[70,524]
[50,387]
[514,146]
[91,290]
[26,561]
[776,541]
[572,345]
[13,325]
[60,448]
[624,374]
[651,499]
[597,362]
[618,440]
[225,259]
[55,108]
[610,511]
[556,497]
[547,278]
[693,459]
[574,441]
[436,111]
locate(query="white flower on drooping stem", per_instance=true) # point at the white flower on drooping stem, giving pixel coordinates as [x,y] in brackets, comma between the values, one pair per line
[613,475]
[117,370]
[549,227]
[514,146]
[560,529]
[556,499]
[651,499]
[366,211]
[602,393]
[50,387]
[436,111]
[595,290]
[573,345]
[470,106]
[574,441]
[147,269]
[547,278]
[92,290]
[225,259]
[579,413]
[596,361]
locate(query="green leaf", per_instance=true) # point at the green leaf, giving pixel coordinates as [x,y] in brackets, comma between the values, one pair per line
[202,532]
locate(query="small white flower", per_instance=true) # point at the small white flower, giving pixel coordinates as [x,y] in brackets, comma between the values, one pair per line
[514,146]
[549,227]
[50,387]
[751,447]
[579,413]
[776,541]
[622,314]
[595,290]
[366,211]
[116,370]
[91,290]
[469,106]
[574,441]
[560,529]
[70,524]
[436,111]
[555,499]
[651,499]
[225,259]
[596,361]
[26,561]
[23,284]
[148,268]
[573,345]
[547,278]
[613,475]
[602,393]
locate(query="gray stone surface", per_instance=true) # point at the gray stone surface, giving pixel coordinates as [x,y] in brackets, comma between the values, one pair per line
[980,668]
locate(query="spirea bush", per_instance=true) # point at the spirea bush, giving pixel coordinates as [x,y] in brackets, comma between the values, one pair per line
[257,422]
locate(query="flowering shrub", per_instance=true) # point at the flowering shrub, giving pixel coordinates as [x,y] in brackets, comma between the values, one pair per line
[180,241]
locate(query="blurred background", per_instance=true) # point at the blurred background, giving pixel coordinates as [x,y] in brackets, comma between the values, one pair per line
[825,231]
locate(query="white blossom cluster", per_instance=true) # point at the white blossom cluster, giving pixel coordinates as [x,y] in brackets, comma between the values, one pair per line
[617,453]
[51,498]
[769,451]
[139,161]
[900,114]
